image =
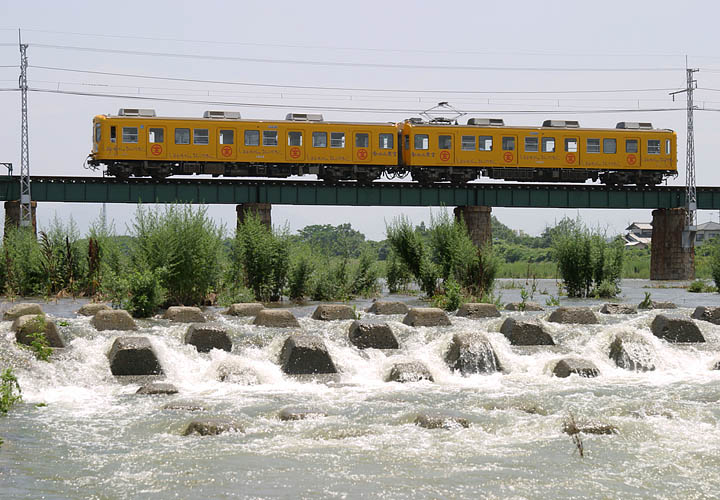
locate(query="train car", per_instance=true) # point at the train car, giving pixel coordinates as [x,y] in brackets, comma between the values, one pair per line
[136,142]
[559,151]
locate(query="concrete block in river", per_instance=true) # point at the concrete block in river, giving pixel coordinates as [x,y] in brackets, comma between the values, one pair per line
[288,414]
[133,356]
[409,371]
[184,314]
[528,306]
[25,326]
[364,335]
[22,309]
[331,312]
[114,319]
[674,329]
[478,310]
[426,316]
[706,313]
[246,309]
[441,422]
[278,318]
[658,305]
[387,307]
[632,352]
[157,388]
[305,354]
[618,309]
[525,333]
[207,337]
[92,308]
[212,427]
[573,315]
[471,353]
[583,367]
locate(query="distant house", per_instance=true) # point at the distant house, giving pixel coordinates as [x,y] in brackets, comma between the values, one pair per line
[639,235]
[706,231]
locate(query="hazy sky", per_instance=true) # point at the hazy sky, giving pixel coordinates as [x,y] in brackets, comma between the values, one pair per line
[521,61]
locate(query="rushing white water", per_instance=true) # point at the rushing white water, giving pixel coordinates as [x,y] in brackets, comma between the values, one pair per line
[95,438]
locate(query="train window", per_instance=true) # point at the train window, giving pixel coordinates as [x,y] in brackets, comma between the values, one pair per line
[387,141]
[485,143]
[362,141]
[531,144]
[609,146]
[631,145]
[319,139]
[252,137]
[593,145]
[113,134]
[667,146]
[270,138]
[508,143]
[130,135]
[156,135]
[407,143]
[337,139]
[294,138]
[654,146]
[467,143]
[571,145]
[201,136]
[97,132]
[182,136]
[548,144]
[444,142]
[227,137]
[422,141]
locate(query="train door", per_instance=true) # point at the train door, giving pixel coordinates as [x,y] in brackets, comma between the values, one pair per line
[571,150]
[295,150]
[156,147]
[446,154]
[509,150]
[226,149]
[361,147]
[632,153]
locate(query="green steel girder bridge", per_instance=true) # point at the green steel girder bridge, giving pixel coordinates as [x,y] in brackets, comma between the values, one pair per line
[284,192]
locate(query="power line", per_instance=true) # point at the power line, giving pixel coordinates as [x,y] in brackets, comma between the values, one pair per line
[348,64]
[349,89]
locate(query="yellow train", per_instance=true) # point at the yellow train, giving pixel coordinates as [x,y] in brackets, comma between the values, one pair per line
[136,142]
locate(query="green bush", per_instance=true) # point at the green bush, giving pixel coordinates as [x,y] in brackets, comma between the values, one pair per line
[715,266]
[409,246]
[397,275]
[300,275]
[365,276]
[24,274]
[145,291]
[10,392]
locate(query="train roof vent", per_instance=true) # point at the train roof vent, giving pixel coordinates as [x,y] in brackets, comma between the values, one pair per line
[415,120]
[635,125]
[561,123]
[486,122]
[136,112]
[220,115]
[304,117]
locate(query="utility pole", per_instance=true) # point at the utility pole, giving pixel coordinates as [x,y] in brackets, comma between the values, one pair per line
[25,203]
[690,185]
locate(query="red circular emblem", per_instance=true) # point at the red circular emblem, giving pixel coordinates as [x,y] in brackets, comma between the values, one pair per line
[226,151]
[508,157]
[156,149]
[362,154]
[445,155]
[570,157]
[294,152]
[631,159]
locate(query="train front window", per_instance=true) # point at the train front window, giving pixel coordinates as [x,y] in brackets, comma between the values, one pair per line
[548,144]
[445,142]
[609,146]
[270,138]
[387,141]
[227,136]
[182,136]
[653,146]
[130,135]
[156,135]
[252,137]
[571,145]
[485,143]
[337,139]
[508,143]
[467,143]
[294,138]
[531,144]
[98,135]
[362,141]
[201,136]
[422,141]
[319,139]
[593,145]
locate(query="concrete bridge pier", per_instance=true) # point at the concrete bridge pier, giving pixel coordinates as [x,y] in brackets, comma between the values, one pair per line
[669,260]
[262,210]
[12,214]
[478,221]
